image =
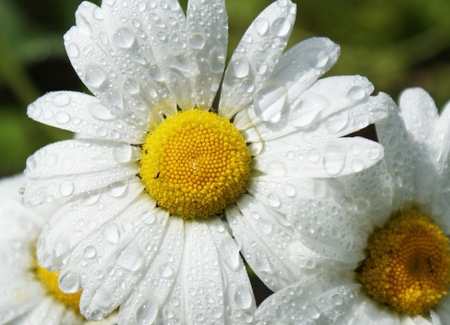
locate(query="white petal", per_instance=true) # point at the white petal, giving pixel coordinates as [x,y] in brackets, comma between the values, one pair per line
[296,303]
[443,309]
[327,228]
[85,114]
[74,157]
[372,191]
[399,156]
[256,56]
[263,242]
[80,217]
[419,112]
[331,158]
[207,41]
[111,54]
[123,262]
[441,135]
[168,39]
[149,301]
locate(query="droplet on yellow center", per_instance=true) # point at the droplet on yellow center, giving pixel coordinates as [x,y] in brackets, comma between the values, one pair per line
[195,163]
[408,265]
[50,282]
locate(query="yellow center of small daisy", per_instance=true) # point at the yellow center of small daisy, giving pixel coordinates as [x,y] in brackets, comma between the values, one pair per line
[50,281]
[195,163]
[408,265]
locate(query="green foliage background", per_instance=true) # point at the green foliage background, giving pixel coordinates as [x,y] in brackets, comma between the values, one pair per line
[395,43]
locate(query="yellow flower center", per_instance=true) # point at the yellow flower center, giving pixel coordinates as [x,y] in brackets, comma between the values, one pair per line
[408,265]
[50,281]
[195,163]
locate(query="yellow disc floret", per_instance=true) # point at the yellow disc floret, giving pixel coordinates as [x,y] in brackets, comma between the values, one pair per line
[195,163]
[50,282]
[408,265]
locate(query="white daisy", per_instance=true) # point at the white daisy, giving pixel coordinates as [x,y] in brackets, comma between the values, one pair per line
[380,253]
[149,164]
[29,294]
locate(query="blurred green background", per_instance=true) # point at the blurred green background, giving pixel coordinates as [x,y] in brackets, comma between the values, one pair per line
[396,44]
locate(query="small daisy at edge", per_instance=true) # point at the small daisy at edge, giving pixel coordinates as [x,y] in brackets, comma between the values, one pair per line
[30,294]
[376,250]
[156,165]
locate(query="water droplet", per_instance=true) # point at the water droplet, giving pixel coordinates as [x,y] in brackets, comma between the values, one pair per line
[90,252]
[357,165]
[117,189]
[255,215]
[217,312]
[66,188]
[289,190]
[131,258]
[166,271]
[262,263]
[313,155]
[147,312]
[72,50]
[61,100]
[122,152]
[334,158]
[269,103]
[101,112]
[123,38]
[131,86]
[96,315]
[243,297]
[261,26]
[91,197]
[273,200]
[38,196]
[317,58]
[281,27]
[276,168]
[356,93]
[69,282]
[197,41]
[94,76]
[337,122]
[62,117]
[155,73]
[240,67]
[229,252]
[375,153]
[110,233]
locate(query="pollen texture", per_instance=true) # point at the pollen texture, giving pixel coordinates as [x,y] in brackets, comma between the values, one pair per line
[50,282]
[195,163]
[408,264]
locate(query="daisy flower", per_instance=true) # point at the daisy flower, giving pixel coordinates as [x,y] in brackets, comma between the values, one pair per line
[30,294]
[157,164]
[379,253]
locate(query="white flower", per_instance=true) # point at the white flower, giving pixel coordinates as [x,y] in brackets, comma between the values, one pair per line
[24,297]
[140,171]
[351,271]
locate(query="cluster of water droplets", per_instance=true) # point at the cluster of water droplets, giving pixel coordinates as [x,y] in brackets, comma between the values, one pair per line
[256,56]
[53,172]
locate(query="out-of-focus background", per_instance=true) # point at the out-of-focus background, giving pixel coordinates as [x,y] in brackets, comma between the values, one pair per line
[395,43]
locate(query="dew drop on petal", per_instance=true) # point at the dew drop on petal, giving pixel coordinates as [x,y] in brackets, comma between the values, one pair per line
[261,26]
[229,253]
[269,103]
[66,188]
[72,50]
[147,312]
[61,100]
[276,168]
[90,252]
[289,190]
[197,41]
[265,227]
[357,165]
[240,67]
[243,297]
[281,27]
[117,189]
[166,271]
[94,76]
[334,158]
[131,86]
[317,58]
[131,258]
[122,152]
[123,38]
[101,112]
[62,117]
[356,93]
[273,200]
[69,282]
